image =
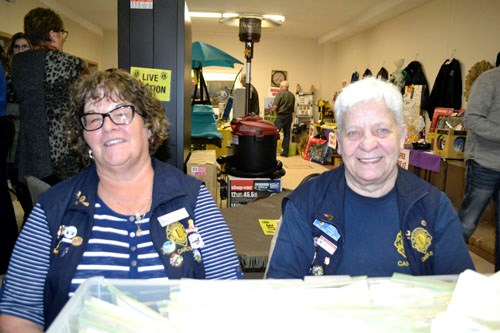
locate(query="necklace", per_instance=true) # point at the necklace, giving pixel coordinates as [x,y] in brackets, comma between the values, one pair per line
[136,216]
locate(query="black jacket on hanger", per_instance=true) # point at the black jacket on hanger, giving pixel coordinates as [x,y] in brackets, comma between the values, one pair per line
[415,76]
[447,89]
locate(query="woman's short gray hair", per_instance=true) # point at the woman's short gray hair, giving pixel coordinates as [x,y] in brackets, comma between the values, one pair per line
[366,90]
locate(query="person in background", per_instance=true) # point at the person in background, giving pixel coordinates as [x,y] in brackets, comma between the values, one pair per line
[284,106]
[8,225]
[253,104]
[127,215]
[369,217]
[41,78]
[18,43]
[482,155]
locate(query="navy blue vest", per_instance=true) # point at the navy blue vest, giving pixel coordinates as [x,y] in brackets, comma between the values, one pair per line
[72,203]
[322,198]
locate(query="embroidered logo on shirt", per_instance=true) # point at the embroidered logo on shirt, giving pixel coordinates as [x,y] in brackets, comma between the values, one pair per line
[398,243]
[420,241]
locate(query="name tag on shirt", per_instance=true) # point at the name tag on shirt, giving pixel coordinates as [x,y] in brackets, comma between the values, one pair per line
[172,217]
[327,228]
[326,245]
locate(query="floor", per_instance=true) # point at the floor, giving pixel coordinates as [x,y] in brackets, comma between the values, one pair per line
[296,170]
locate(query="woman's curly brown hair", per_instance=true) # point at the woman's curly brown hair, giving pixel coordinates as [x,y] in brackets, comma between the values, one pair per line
[118,86]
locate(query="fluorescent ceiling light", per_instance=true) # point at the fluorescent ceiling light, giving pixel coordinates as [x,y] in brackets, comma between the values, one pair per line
[278,18]
[205,14]
[228,15]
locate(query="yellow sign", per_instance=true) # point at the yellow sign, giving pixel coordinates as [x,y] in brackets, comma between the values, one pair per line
[158,80]
[268,226]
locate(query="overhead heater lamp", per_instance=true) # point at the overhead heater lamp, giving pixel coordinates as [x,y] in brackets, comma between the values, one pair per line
[250,30]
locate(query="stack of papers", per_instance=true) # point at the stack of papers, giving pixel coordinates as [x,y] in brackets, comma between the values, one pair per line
[337,303]
[474,307]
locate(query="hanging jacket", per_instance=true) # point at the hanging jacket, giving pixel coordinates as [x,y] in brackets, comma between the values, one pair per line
[72,203]
[447,89]
[383,74]
[415,76]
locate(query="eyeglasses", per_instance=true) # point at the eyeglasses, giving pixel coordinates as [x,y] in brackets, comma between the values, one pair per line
[64,34]
[23,47]
[121,115]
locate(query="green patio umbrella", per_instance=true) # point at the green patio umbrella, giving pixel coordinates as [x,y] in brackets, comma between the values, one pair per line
[204,55]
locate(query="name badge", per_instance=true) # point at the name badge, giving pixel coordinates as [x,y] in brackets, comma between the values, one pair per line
[172,217]
[327,228]
[195,240]
[326,245]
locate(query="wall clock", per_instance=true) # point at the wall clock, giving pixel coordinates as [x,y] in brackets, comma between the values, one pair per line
[277,77]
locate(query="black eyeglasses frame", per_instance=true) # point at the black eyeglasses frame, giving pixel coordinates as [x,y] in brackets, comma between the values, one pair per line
[108,115]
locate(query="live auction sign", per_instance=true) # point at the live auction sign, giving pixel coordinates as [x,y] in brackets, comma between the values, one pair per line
[158,80]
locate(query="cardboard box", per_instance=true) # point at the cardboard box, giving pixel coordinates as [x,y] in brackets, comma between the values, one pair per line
[450,143]
[242,191]
[203,165]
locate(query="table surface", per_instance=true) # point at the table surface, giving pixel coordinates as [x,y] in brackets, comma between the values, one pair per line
[425,160]
[251,244]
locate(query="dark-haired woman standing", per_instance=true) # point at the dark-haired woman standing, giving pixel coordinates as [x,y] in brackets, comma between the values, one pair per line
[41,78]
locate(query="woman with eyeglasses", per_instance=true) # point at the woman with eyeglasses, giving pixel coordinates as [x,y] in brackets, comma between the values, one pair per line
[18,43]
[41,77]
[127,215]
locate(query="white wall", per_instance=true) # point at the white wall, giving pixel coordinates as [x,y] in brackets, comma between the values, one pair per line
[109,50]
[432,33]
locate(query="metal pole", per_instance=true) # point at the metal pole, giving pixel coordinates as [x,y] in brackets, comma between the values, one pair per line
[248,86]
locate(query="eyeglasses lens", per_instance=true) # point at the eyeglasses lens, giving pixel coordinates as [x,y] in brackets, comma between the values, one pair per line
[123,115]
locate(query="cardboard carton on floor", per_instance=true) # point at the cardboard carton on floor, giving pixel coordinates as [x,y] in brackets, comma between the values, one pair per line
[203,165]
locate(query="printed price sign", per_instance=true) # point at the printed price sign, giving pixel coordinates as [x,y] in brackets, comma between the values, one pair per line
[268,226]
[404,158]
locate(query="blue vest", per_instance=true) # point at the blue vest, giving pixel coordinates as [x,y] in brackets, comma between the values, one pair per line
[72,203]
[322,199]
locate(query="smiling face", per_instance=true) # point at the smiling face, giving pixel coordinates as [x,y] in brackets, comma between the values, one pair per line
[117,147]
[370,143]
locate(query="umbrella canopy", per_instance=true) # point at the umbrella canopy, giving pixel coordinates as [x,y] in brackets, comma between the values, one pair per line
[203,54]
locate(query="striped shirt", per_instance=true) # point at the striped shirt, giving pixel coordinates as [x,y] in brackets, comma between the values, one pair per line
[116,249]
